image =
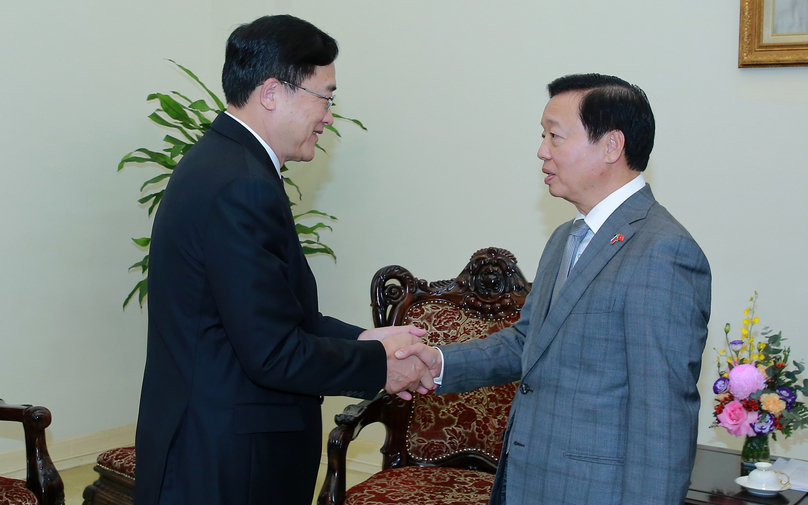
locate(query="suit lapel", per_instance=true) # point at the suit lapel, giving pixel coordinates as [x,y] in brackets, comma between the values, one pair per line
[549,270]
[625,221]
[231,129]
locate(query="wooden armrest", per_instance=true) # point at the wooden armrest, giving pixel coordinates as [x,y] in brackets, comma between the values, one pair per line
[42,477]
[385,409]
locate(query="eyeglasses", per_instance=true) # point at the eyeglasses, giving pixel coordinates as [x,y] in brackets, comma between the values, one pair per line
[330,99]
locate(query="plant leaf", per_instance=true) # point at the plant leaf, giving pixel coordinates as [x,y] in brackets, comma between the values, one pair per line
[331,128]
[312,247]
[316,212]
[171,107]
[149,197]
[291,183]
[151,156]
[142,288]
[200,105]
[155,201]
[142,242]
[155,180]
[142,264]
[154,116]
[195,78]
[311,230]
[354,121]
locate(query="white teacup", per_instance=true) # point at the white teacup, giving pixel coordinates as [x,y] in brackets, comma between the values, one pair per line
[763,477]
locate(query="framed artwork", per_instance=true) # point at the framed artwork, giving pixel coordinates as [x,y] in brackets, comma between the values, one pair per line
[774,33]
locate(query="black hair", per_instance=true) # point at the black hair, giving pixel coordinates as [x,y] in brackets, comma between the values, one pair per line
[284,47]
[610,103]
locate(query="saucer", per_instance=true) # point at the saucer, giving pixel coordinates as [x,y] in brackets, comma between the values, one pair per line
[741,481]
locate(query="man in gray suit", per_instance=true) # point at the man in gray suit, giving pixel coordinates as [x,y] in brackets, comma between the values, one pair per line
[608,347]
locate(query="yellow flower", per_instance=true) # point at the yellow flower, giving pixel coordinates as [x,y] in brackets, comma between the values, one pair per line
[722,352]
[772,403]
[748,310]
[762,345]
[744,332]
[746,321]
[756,320]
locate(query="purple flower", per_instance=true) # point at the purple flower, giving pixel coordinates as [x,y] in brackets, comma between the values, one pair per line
[765,424]
[744,380]
[787,395]
[721,385]
[736,345]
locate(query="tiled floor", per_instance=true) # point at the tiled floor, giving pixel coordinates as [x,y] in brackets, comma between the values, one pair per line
[76,479]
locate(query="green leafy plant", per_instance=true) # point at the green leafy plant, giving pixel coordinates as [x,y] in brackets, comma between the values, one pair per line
[190,119]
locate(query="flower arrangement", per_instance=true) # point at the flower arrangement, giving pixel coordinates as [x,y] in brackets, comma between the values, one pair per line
[756,393]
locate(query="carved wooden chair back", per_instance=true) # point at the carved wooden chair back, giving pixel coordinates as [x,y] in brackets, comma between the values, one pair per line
[457,429]
[439,450]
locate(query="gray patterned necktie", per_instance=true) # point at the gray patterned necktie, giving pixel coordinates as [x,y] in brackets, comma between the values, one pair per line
[579,229]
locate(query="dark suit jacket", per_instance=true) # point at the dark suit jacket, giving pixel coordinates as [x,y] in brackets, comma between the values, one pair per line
[607,409]
[238,354]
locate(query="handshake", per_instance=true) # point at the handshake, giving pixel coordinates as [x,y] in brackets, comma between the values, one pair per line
[411,365]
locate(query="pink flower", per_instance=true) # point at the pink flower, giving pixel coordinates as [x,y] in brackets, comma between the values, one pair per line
[744,380]
[737,420]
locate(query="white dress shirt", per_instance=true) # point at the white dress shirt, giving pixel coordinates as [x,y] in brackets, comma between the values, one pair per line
[601,212]
[272,155]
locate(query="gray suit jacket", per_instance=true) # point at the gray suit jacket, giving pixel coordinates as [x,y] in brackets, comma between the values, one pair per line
[607,408]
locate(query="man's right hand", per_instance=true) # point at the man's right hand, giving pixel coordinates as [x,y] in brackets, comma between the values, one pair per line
[429,356]
[405,375]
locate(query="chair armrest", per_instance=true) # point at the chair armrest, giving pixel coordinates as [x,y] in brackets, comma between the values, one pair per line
[42,477]
[392,412]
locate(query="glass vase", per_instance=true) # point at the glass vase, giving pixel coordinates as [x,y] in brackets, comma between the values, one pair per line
[755,449]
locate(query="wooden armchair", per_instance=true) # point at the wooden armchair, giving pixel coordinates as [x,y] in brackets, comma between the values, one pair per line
[42,485]
[439,449]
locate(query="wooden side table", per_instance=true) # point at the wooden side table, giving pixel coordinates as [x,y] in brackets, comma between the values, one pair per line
[713,481]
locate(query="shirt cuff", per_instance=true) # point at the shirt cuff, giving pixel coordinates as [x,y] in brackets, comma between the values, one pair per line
[439,379]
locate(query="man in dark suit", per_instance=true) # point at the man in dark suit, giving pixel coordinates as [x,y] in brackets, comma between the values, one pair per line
[238,355]
[608,346]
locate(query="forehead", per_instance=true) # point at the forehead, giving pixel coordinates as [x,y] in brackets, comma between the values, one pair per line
[563,109]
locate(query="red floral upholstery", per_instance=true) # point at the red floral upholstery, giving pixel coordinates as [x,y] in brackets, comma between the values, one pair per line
[120,460]
[423,486]
[14,492]
[442,426]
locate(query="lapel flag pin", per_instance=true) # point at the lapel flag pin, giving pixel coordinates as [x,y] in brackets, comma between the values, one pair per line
[617,238]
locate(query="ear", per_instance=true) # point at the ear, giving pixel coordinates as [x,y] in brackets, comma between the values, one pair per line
[615,145]
[269,93]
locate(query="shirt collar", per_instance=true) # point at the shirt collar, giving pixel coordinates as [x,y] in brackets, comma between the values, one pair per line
[601,212]
[272,155]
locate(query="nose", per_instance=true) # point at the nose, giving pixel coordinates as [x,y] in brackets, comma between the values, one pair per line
[329,118]
[544,151]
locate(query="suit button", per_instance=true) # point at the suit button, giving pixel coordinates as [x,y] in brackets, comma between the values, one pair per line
[524,388]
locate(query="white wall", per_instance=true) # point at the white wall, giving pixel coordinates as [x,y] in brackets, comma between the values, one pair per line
[452,93]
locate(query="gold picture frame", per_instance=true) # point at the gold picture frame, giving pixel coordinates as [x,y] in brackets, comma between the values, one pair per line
[762,44]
